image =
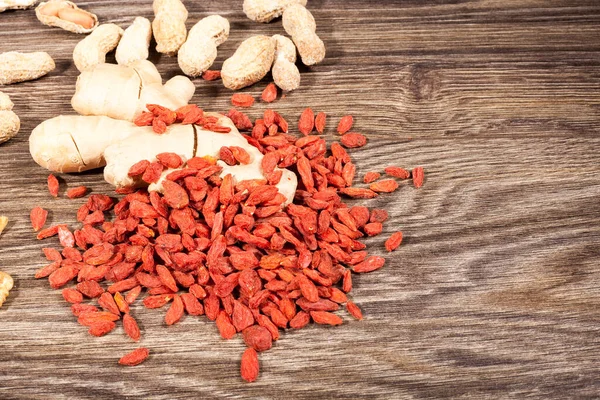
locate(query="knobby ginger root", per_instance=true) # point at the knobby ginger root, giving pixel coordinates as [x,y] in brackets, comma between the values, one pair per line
[285,73]
[250,62]
[299,23]
[144,144]
[92,50]
[9,121]
[20,67]
[16,4]
[200,49]
[267,10]
[79,143]
[135,42]
[76,143]
[66,15]
[169,25]
[6,284]
[122,92]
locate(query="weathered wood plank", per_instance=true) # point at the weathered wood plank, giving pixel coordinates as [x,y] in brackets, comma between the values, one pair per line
[495,290]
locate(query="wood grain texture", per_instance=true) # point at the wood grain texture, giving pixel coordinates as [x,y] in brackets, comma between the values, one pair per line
[495,292]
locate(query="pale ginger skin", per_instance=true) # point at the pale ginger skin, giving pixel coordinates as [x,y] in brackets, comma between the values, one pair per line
[66,15]
[75,143]
[267,10]
[300,24]
[144,144]
[169,25]
[92,50]
[135,42]
[250,63]
[16,4]
[80,143]
[9,121]
[6,284]
[19,67]
[285,72]
[122,92]
[199,51]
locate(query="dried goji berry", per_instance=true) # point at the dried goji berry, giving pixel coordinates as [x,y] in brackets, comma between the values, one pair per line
[354,310]
[211,75]
[418,176]
[242,100]
[131,327]
[72,296]
[175,312]
[371,177]
[249,367]
[384,186]
[53,185]
[394,241]
[136,357]
[306,124]
[397,172]
[76,192]
[345,124]
[325,318]
[269,95]
[320,122]
[353,140]
[38,218]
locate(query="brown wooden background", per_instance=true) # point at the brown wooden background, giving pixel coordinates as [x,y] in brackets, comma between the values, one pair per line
[495,292]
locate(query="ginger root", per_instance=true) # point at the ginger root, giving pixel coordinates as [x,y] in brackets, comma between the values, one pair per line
[169,25]
[20,67]
[75,143]
[66,15]
[200,49]
[92,50]
[16,4]
[267,10]
[187,141]
[6,284]
[135,42]
[9,121]
[250,62]
[285,72]
[122,92]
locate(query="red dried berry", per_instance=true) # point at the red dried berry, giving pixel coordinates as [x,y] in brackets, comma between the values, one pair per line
[242,100]
[210,75]
[397,172]
[306,124]
[353,140]
[269,95]
[53,185]
[38,218]
[320,120]
[136,357]
[249,367]
[418,175]
[345,124]
[394,241]
[77,192]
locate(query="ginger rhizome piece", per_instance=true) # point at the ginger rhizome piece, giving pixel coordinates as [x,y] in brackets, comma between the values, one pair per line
[19,67]
[66,15]
[199,51]
[122,92]
[135,42]
[9,121]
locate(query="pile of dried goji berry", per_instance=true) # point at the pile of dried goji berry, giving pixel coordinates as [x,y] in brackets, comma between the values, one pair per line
[231,251]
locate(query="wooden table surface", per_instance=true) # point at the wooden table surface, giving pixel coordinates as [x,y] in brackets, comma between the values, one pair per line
[495,292]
